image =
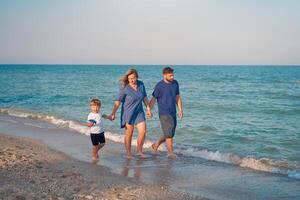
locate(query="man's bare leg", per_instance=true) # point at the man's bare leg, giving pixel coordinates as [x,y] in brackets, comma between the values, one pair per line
[155,145]
[169,144]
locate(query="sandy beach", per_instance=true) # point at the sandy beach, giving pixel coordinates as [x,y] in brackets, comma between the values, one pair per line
[42,161]
[31,170]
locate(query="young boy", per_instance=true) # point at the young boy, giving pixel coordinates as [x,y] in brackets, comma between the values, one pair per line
[95,123]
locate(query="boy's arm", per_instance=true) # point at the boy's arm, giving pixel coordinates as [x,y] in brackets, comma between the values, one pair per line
[90,124]
[179,105]
[106,116]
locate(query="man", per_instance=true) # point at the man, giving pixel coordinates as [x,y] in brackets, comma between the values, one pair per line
[166,92]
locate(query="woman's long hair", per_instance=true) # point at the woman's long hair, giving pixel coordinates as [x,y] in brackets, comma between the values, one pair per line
[124,79]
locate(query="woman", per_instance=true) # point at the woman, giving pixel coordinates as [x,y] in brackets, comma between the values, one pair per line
[132,94]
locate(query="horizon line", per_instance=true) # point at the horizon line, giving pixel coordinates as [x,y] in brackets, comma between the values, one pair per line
[151,64]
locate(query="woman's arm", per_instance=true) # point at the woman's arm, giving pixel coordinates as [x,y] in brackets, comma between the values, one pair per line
[147,104]
[114,110]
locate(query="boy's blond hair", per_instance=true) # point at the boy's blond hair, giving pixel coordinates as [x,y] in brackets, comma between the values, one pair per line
[96,101]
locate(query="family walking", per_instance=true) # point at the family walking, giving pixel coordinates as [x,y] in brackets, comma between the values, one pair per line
[132,95]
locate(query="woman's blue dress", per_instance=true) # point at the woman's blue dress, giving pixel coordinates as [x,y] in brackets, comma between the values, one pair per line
[132,111]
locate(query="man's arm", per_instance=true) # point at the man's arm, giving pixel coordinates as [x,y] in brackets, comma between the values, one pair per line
[152,102]
[179,105]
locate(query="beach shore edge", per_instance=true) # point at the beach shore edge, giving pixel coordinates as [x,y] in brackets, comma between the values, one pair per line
[32,170]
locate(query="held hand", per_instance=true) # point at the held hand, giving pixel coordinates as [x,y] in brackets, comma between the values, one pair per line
[180,114]
[106,117]
[109,118]
[112,117]
[149,114]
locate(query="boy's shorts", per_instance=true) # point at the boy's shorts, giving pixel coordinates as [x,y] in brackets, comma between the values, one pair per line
[168,125]
[97,138]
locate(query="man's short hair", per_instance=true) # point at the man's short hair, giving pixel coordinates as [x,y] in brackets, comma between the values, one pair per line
[168,70]
[96,101]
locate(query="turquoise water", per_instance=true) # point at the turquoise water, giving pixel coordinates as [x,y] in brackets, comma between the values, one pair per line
[245,115]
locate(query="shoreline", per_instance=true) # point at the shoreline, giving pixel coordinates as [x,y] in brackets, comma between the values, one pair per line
[260,164]
[183,178]
[31,170]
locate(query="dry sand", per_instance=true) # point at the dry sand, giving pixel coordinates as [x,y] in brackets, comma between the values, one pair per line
[31,170]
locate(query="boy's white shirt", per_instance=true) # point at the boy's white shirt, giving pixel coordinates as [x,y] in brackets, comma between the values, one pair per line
[98,127]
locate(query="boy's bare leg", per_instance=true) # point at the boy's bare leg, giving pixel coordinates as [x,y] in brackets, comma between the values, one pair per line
[155,145]
[169,144]
[141,138]
[94,152]
[128,138]
[99,146]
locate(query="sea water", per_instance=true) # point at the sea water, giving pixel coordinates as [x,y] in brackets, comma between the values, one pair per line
[248,116]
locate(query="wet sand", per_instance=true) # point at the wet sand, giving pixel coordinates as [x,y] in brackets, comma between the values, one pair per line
[31,170]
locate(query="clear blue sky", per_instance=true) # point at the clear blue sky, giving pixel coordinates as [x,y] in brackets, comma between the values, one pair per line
[150,31]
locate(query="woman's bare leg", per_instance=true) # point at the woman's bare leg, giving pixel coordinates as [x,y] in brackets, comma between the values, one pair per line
[127,139]
[142,129]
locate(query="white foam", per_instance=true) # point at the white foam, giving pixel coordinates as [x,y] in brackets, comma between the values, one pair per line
[120,139]
[262,164]
[259,165]
[78,127]
[210,155]
[293,174]
[11,121]
[73,125]
[34,125]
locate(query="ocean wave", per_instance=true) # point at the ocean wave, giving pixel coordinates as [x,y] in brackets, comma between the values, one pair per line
[70,124]
[60,122]
[262,164]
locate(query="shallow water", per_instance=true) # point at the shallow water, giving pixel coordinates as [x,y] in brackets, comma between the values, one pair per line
[244,115]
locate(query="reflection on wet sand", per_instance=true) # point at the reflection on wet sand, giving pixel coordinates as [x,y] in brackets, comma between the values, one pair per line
[135,167]
[165,174]
[94,162]
[152,167]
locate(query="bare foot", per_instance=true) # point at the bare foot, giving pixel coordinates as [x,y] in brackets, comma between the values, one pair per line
[129,156]
[172,156]
[94,158]
[141,155]
[95,161]
[154,147]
